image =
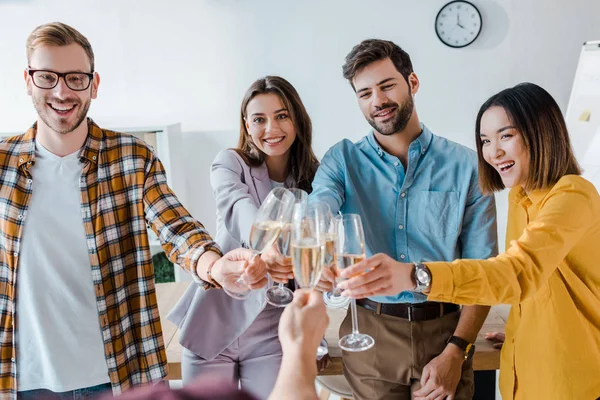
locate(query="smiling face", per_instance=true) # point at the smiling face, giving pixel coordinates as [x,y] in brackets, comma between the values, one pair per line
[270,125]
[503,147]
[385,97]
[61,109]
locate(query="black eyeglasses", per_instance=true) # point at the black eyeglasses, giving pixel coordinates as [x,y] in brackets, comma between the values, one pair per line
[45,79]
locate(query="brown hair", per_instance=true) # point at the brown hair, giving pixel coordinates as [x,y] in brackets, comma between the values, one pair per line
[371,50]
[534,113]
[303,162]
[58,34]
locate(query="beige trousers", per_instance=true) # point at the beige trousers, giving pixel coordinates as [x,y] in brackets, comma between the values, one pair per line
[392,368]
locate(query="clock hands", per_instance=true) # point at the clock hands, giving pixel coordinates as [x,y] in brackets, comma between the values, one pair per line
[458,21]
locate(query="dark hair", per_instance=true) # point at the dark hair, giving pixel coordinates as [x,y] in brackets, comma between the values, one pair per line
[303,162]
[371,50]
[534,113]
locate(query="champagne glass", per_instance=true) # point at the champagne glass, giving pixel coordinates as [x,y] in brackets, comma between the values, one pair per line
[274,210]
[334,298]
[279,295]
[350,249]
[308,247]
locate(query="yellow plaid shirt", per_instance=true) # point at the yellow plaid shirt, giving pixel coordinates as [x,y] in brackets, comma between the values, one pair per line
[123,189]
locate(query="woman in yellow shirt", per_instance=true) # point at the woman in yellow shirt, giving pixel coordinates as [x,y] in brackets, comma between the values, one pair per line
[550,271]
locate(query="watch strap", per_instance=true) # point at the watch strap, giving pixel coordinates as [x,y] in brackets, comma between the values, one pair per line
[464,345]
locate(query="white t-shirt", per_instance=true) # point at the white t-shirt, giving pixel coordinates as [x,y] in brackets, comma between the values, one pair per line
[59,342]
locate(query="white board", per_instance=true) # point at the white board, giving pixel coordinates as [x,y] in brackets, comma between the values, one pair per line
[583,112]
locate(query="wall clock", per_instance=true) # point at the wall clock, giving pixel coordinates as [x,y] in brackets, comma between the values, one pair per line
[458,24]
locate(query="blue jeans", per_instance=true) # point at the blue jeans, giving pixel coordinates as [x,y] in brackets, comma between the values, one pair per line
[89,393]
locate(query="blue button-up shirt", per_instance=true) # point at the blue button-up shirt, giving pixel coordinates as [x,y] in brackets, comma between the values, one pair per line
[432,211]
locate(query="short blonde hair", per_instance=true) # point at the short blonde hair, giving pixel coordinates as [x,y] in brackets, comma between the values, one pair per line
[58,34]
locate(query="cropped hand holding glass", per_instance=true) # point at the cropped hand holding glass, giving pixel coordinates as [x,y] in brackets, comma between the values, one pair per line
[274,210]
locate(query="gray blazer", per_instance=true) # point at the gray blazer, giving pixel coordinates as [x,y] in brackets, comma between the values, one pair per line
[210,320]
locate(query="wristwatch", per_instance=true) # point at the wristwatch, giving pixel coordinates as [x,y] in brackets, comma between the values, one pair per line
[422,276]
[468,348]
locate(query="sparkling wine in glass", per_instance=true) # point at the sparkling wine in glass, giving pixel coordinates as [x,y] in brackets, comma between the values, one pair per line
[309,230]
[350,249]
[334,298]
[279,295]
[274,210]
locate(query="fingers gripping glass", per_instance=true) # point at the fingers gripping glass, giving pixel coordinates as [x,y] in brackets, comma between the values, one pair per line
[350,249]
[45,79]
[266,227]
[279,295]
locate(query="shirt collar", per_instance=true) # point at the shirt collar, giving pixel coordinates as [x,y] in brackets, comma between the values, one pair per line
[27,153]
[91,148]
[423,141]
[518,195]
[89,151]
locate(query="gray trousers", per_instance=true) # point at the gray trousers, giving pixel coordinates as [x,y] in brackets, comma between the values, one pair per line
[252,360]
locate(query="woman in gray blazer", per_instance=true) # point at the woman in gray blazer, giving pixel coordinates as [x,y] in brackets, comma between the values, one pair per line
[237,339]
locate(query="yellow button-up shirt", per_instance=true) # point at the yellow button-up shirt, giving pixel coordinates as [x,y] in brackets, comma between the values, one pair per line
[550,272]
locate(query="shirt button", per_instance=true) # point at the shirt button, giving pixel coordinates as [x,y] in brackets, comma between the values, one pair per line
[403,194]
[15,254]
[400,227]
[21,160]
[20,216]
[12,359]
[94,158]
[29,181]
[402,256]
[396,163]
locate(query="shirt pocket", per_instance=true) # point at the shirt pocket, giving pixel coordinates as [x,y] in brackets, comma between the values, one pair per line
[438,213]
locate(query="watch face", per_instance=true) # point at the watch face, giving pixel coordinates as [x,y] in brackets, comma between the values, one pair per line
[458,24]
[423,277]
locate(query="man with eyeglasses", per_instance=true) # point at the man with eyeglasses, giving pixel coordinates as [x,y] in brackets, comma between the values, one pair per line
[78,309]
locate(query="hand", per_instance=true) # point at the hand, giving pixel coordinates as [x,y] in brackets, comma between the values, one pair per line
[441,375]
[241,262]
[301,328]
[302,324]
[279,267]
[379,275]
[496,337]
[325,283]
[323,363]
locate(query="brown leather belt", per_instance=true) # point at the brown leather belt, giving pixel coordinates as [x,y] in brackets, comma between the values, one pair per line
[412,312]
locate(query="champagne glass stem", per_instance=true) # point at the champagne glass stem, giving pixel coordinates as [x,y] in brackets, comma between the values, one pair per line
[335,290]
[354,317]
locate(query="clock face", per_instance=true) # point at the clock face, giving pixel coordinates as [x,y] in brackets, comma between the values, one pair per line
[458,24]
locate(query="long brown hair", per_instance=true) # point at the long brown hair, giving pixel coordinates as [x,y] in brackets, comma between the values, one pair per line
[303,162]
[536,115]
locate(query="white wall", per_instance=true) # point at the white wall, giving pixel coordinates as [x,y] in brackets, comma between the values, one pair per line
[191,62]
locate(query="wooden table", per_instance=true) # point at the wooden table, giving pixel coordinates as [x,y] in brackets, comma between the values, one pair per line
[486,356]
